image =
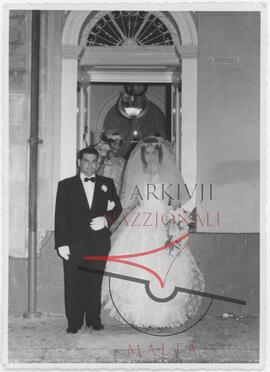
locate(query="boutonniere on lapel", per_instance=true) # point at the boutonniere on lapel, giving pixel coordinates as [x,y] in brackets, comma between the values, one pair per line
[104,188]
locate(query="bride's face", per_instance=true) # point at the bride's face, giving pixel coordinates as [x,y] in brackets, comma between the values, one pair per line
[151,156]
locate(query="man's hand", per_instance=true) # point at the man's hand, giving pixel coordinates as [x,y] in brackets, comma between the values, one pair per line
[64,252]
[98,223]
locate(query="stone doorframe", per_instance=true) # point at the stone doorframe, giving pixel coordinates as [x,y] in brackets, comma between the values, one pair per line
[72,54]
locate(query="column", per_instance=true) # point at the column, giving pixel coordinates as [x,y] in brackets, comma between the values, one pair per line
[68,132]
[189,124]
[176,114]
[83,130]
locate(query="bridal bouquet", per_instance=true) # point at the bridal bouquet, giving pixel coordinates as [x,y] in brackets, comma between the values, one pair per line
[177,224]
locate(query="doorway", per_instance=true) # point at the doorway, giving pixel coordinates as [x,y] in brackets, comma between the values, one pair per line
[105,114]
[173,63]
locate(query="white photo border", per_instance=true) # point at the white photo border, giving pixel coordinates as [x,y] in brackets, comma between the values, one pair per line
[264,174]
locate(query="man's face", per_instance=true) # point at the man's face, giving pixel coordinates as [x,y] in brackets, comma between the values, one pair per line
[88,164]
[115,146]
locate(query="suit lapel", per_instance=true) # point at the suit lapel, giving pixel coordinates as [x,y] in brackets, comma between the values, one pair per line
[96,194]
[81,192]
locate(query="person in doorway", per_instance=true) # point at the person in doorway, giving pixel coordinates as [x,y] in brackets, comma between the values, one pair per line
[86,205]
[111,164]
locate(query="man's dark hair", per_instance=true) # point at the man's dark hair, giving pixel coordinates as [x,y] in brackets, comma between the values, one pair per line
[87,150]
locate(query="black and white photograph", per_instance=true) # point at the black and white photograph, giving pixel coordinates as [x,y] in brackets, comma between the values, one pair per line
[133,185]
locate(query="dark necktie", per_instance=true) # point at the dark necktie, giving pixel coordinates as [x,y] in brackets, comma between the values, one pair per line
[92,179]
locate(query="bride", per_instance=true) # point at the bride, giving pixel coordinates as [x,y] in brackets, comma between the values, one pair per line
[153,188]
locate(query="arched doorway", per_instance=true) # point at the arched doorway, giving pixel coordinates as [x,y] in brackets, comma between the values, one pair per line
[89,59]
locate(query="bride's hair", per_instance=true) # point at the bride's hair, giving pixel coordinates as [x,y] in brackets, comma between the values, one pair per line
[151,141]
[168,170]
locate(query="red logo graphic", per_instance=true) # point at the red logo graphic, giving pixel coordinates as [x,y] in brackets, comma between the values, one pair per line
[122,258]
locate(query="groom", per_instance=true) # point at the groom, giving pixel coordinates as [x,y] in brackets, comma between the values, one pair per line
[86,205]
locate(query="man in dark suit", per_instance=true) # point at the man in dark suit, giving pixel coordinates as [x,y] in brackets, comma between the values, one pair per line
[86,205]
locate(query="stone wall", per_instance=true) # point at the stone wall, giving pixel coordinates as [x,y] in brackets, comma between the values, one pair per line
[19,124]
[228,152]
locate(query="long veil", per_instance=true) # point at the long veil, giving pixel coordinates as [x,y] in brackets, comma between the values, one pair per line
[169,173]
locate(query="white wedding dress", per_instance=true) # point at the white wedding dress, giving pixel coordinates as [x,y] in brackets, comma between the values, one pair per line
[136,235]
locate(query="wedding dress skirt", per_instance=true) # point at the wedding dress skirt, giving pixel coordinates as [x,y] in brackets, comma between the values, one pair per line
[129,298]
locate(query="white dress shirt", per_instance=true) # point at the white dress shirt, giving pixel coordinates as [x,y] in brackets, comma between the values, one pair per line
[89,188]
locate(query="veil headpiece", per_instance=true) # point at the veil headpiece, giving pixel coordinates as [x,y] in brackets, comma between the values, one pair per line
[169,173]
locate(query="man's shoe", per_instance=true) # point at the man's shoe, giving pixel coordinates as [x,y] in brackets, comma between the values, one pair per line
[72,329]
[96,327]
